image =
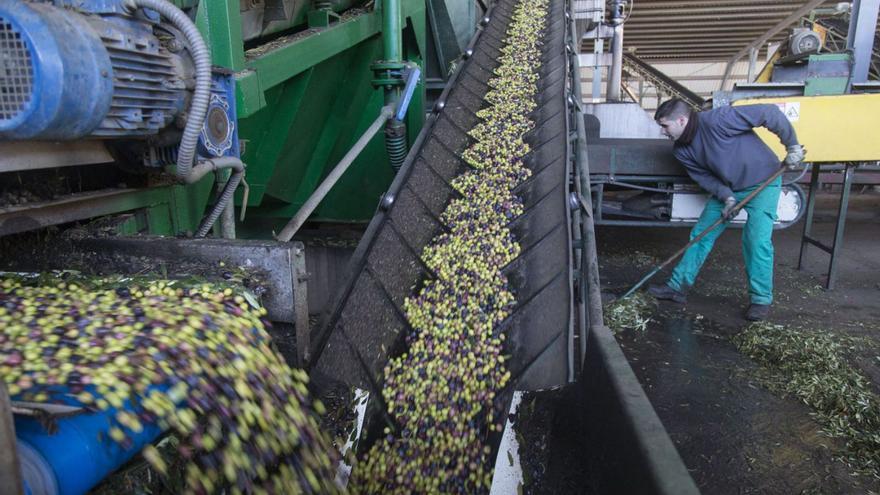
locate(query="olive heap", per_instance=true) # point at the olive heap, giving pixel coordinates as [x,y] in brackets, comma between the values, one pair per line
[440,391]
[195,360]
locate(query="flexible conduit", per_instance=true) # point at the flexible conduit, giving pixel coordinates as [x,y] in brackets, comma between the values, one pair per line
[186,153]
[202,60]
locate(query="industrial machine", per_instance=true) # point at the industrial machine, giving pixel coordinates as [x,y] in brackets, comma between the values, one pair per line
[635,179]
[819,75]
[150,86]
[637,182]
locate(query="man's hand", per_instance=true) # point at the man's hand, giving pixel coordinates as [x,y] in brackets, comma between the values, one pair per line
[729,212]
[795,156]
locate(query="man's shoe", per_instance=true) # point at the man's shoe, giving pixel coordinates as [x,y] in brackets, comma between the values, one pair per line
[667,293]
[758,312]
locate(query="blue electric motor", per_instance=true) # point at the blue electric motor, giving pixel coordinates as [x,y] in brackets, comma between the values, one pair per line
[94,69]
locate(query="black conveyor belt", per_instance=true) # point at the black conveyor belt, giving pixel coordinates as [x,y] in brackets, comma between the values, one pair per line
[367,326]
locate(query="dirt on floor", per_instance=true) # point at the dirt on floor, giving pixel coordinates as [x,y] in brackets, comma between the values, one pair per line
[734,435]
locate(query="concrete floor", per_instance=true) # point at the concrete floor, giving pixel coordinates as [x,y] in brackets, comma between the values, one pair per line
[734,435]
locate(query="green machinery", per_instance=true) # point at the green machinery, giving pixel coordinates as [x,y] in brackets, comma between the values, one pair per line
[301,105]
[309,78]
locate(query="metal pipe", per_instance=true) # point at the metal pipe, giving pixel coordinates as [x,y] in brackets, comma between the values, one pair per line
[392,45]
[227,221]
[223,229]
[615,72]
[391,40]
[590,267]
[598,8]
[315,199]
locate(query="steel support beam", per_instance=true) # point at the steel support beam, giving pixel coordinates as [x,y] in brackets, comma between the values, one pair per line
[673,45]
[717,10]
[661,19]
[753,63]
[10,469]
[612,92]
[663,4]
[687,23]
[707,30]
[219,21]
[860,38]
[797,14]
[76,207]
[686,35]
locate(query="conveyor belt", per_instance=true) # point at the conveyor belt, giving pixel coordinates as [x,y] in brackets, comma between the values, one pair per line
[658,78]
[367,325]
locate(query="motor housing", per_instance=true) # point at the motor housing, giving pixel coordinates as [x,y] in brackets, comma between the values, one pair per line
[804,40]
[102,73]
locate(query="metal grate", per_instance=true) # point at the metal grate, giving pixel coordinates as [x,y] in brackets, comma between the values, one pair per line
[16,72]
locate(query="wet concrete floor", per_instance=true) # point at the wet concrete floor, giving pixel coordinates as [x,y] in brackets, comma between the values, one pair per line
[734,435]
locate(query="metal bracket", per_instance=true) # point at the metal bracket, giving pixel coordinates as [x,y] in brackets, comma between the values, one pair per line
[10,469]
[388,74]
[299,285]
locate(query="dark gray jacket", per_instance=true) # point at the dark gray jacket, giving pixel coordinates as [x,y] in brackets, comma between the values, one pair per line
[724,154]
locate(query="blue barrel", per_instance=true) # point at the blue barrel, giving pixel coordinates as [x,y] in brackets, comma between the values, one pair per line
[77,456]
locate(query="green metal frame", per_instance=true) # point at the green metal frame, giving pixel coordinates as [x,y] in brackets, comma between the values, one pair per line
[828,85]
[303,101]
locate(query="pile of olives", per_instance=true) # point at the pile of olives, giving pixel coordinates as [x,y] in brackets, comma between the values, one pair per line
[196,360]
[440,391]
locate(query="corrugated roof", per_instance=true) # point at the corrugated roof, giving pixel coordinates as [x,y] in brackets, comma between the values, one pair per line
[715,30]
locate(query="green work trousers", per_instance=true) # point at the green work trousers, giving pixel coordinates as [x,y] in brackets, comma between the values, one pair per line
[757,243]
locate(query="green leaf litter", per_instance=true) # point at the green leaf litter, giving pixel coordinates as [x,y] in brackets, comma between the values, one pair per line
[631,313]
[813,366]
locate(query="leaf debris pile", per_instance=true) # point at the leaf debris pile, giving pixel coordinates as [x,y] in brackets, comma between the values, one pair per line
[631,313]
[812,366]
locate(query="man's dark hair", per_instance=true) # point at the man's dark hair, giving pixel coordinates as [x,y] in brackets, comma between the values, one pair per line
[672,108]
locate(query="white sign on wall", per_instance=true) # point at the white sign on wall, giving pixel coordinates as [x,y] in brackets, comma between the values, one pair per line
[792,110]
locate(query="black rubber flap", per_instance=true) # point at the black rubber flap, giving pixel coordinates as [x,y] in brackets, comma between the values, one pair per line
[367,325]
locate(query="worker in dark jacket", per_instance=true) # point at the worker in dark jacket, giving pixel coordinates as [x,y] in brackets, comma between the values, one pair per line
[722,153]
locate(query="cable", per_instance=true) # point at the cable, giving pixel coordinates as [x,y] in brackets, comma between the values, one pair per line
[626,17]
[799,177]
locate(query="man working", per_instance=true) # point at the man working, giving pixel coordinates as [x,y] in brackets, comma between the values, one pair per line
[722,153]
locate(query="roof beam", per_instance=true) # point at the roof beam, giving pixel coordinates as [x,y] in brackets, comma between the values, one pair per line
[691,43]
[766,7]
[662,4]
[718,55]
[797,14]
[707,16]
[748,28]
[748,36]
